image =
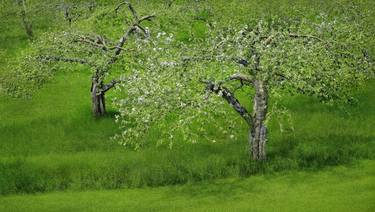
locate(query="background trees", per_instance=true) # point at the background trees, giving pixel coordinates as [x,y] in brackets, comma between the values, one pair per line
[93,50]
[101,70]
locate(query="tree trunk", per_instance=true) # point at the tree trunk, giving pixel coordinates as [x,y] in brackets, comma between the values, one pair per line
[98,100]
[258,130]
[26,23]
[67,14]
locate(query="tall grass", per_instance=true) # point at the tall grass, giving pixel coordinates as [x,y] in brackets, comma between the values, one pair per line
[349,188]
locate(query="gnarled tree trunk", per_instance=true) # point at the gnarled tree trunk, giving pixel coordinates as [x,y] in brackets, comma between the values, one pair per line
[98,99]
[258,130]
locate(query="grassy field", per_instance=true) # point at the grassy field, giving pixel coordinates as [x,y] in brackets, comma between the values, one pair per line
[51,143]
[341,188]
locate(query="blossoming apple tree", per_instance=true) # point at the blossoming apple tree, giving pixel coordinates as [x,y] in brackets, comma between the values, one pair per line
[97,52]
[262,59]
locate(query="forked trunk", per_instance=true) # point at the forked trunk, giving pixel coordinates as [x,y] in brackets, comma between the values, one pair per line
[98,100]
[258,130]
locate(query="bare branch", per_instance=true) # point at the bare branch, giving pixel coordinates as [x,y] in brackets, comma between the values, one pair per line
[131,8]
[133,27]
[98,42]
[242,78]
[110,85]
[122,41]
[143,30]
[145,18]
[230,98]
[119,6]
[95,43]
[126,35]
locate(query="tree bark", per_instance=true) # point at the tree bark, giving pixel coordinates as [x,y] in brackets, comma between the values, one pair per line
[26,23]
[98,99]
[67,14]
[258,130]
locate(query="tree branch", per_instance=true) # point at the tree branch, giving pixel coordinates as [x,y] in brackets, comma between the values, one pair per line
[98,42]
[132,28]
[119,6]
[131,8]
[292,35]
[217,58]
[136,24]
[242,78]
[143,30]
[231,99]
[269,39]
[126,35]
[95,43]
[145,18]
[137,20]
[110,85]
[63,59]
[121,43]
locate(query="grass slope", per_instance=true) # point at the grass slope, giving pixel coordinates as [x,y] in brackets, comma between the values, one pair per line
[337,189]
[51,143]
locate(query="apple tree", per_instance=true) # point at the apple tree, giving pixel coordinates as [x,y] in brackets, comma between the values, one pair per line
[326,59]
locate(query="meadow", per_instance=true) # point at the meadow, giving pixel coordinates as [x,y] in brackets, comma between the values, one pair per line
[54,156]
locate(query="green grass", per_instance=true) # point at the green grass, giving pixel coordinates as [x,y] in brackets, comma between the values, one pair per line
[344,188]
[56,120]
[50,142]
